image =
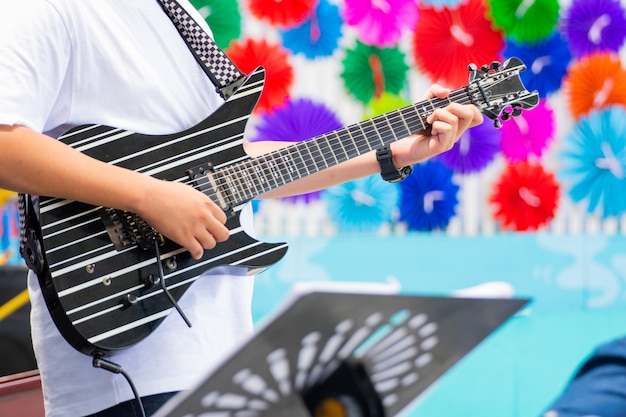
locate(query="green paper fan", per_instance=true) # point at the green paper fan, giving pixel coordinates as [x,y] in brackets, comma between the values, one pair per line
[524,20]
[369,71]
[223,17]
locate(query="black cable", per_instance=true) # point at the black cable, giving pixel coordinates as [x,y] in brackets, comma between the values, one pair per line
[98,362]
[164,287]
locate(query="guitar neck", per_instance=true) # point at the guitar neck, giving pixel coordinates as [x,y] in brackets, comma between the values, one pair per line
[250,178]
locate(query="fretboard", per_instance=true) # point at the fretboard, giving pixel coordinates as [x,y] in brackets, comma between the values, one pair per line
[253,177]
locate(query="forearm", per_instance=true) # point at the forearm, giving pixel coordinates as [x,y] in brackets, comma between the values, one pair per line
[36,164]
[358,167]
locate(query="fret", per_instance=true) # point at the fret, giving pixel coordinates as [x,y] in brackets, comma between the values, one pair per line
[274,169]
[253,183]
[413,120]
[303,159]
[385,129]
[321,153]
[376,132]
[231,186]
[314,155]
[344,151]
[326,148]
[407,131]
[265,183]
[285,166]
[348,143]
[362,142]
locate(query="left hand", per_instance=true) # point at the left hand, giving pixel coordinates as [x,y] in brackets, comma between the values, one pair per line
[448,124]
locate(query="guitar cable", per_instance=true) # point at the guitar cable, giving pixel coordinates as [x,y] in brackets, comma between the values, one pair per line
[99,362]
[164,287]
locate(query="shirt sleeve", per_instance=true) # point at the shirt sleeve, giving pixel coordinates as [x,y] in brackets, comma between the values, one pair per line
[34,55]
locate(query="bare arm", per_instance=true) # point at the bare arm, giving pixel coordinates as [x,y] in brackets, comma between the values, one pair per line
[447,126]
[37,164]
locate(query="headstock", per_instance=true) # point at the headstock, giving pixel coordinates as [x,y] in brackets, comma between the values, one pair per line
[498,91]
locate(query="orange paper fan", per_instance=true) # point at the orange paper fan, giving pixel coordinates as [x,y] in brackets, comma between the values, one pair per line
[594,82]
[250,54]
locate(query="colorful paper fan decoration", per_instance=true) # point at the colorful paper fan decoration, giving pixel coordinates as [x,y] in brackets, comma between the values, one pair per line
[249,54]
[223,18]
[299,120]
[594,26]
[363,205]
[446,41]
[369,71]
[529,135]
[428,197]
[595,81]
[525,197]
[546,61]
[442,3]
[380,23]
[383,104]
[525,21]
[594,161]
[319,35]
[282,13]
[477,147]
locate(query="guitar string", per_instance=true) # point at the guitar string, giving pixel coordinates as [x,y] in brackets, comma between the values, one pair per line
[245,192]
[394,119]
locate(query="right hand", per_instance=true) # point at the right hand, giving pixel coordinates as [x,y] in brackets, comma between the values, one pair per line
[184,215]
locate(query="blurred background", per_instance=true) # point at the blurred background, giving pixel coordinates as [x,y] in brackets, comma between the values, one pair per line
[535,208]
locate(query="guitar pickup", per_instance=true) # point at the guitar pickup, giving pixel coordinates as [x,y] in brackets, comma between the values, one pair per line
[203,178]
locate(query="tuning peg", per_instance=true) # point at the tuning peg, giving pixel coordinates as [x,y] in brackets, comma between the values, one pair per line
[485,68]
[495,65]
[497,123]
[506,115]
[517,112]
[472,67]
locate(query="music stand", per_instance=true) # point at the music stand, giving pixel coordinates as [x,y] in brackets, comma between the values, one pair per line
[334,353]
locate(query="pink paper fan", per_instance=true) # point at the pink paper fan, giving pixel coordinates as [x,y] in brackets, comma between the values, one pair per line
[527,136]
[447,40]
[381,23]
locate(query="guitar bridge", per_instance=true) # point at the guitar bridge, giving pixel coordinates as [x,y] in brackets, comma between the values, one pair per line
[126,229]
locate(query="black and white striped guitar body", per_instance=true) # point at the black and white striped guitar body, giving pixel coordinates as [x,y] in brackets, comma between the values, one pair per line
[100,276]
[104,298]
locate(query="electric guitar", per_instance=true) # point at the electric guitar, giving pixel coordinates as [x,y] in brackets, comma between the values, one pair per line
[109,279]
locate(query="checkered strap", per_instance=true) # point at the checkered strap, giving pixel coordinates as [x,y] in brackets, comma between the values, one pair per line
[220,69]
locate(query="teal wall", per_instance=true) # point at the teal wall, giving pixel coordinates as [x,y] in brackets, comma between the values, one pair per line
[577,285]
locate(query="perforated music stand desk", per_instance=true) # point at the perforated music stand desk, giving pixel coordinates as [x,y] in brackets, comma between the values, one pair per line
[403,342]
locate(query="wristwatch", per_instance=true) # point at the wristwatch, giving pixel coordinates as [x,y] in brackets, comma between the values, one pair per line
[388,170]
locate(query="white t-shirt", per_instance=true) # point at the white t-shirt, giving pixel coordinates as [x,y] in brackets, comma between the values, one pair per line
[120,63]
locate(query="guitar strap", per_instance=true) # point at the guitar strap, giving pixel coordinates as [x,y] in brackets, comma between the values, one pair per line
[214,62]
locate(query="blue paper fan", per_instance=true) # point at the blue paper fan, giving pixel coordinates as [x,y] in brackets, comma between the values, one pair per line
[546,61]
[428,197]
[362,205]
[298,120]
[594,161]
[319,35]
[476,148]
[594,26]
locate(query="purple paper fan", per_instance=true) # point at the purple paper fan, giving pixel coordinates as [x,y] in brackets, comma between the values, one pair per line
[298,120]
[428,197]
[477,147]
[528,135]
[594,26]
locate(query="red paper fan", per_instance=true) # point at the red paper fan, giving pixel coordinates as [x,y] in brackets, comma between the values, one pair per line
[282,13]
[447,40]
[250,54]
[525,197]
[594,82]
